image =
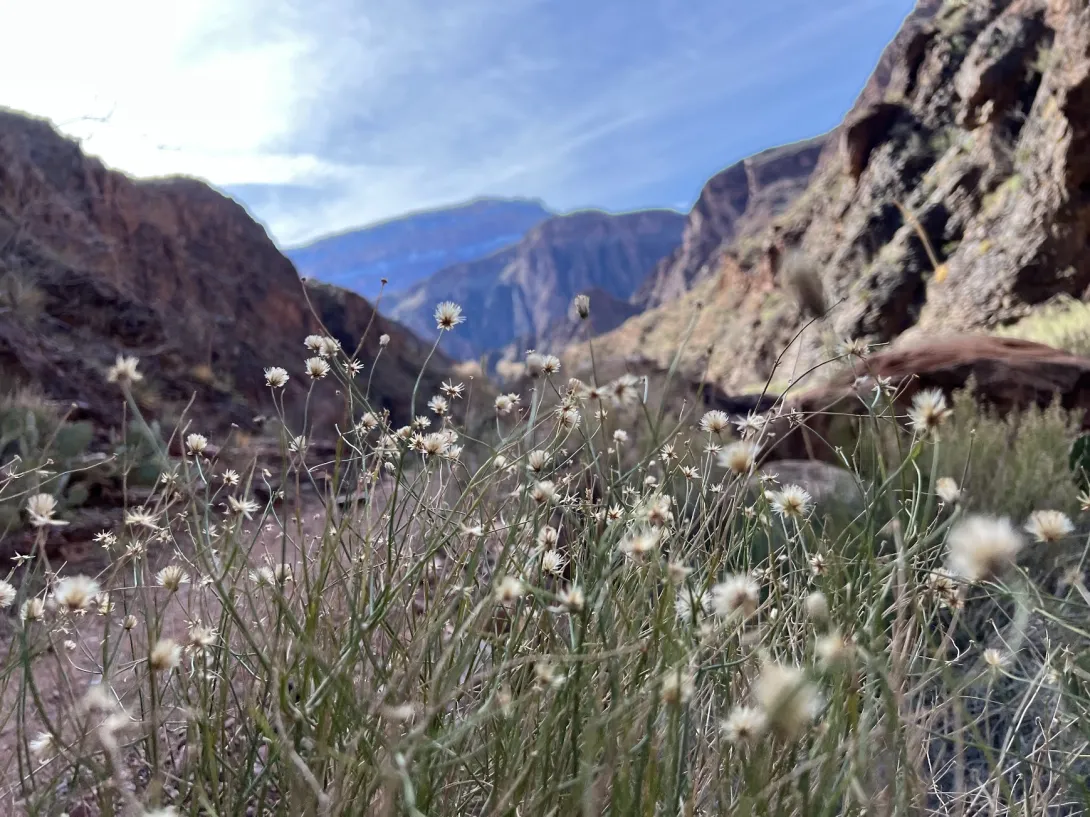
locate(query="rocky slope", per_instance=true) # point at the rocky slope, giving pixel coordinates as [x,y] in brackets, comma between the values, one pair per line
[408,249]
[954,197]
[737,202]
[94,264]
[523,292]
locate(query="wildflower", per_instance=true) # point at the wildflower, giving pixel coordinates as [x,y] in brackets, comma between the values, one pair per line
[124,371]
[298,444]
[928,410]
[354,367]
[736,594]
[552,561]
[582,306]
[329,347]
[315,343]
[832,651]
[750,425]
[620,436]
[1049,526]
[165,656]
[104,604]
[739,457]
[817,565]
[947,489]
[623,391]
[678,572]
[640,543]
[196,443]
[690,472]
[367,423]
[200,637]
[677,686]
[788,700]
[75,593]
[509,589]
[129,622]
[550,365]
[452,390]
[655,510]
[32,610]
[7,594]
[817,606]
[243,507]
[383,341]
[714,422]
[537,461]
[1084,501]
[982,547]
[141,518]
[43,746]
[942,586]
[547,537]
[567,418]
[744,725]
[439,406]
[573,598]
[995,659]
[792,501]
[40,508]
[105,538]
[171,578]
[506,402]
[853,347]
[544,492]
[317,368]
[262,576]
[546,675]
[688,607]
[276,377]
[422,422]
[433,444]
[615,513]
[448,315]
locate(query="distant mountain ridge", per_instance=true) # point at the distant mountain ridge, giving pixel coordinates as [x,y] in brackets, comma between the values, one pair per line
[522,293]
[409,248]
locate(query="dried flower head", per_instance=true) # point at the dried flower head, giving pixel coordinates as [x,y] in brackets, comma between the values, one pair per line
[982,547]
[171,578]
[199,637]
[833,651]
[640,543]
[744,725]
[739,457]
[317,368]
[75,593]
[40,508]
[448,315]
[243,507]
[537,461]
[947,489]
[751,425]
[714,422]
[124,371]
[1049,526]
[506,402]
[552,561]
[817,606]
[7,594]
[678,685]
[788,700]
[276,377]
[624,391]
[383,341]
[793,501]
[544,492]
[32,610]
[196,443]
[736,595]
[509,589]
[165,656]
[439,406]
[453,390]
[573,598]
[928,410]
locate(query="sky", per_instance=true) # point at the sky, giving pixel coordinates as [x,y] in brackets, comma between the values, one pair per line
[322,115]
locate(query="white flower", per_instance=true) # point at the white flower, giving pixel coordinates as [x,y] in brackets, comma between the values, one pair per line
[689,607]
[537,461]
[832,651]
[243,507]
[550,365]
[994,658]
[552,561]
[624,391]
[744,725]
[817,606]
[677,686]
[40,508]
[736,594]
[509,589]
[439,405]
[448,315]
[166,655]
[751,424]
[32,610]
[582,306]
[171,578]
[573,598]
[788,700]
[793,501]
[383,341]
[367,423]
[75,593]
[544,492]
[317,368]
[1049,526]
[452,390]
[547,537]
[947,489]
[738,457]
[620,436]
[141,518]
[641,542]
[276,377]
[714,422]
[315,343]
[928,410]
[7,594]
[196,443]
[42,746]
[298,444]
[230,477]
[124,370]
[506,402]
[982,547]
[200,637]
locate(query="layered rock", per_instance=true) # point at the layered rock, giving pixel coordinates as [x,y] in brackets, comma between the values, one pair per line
[94,264]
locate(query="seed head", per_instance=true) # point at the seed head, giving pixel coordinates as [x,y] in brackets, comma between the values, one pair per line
[544,492]
[573,598]
[75,593]
[744,725]
[276,377]
[582,306]
[1049,526]
[383,341]
[537,461]
[714,422]
[200,637]
[817,607]
[552,561]
[165,656]
[317,368]
[448,315]
[738,457]
[677,686]
[640,543]
[928,410]
[509,589]
[171,578]
[506,402]
[196,443]
[40,508]
[452,390]
[833,651]
[32,610]
[788,700]
[243,507]
[124,371]
[439,405]
[793,501]
[624,391]
[736,595]
[947,489]
[981,548]
[7,594]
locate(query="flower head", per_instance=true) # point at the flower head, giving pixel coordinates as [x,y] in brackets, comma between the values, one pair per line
[243,507]
[739,457]
[928,410]
[74,594]
[196,443]
[276,377]
[678,685]
[788,700]
[1049,526]
[793,501]
[40,508]
[582,306]
[383,341]
[439,405]
[736,595]
[714,422]
[317,368]
[124,370]
[165,656]
[573,598]
[640,543]
[744,725]
[448,315]
[552,561]
[172,577]
[509,589]
[982,547]
[452,390]
[947,489]
[7,594]
[624,391]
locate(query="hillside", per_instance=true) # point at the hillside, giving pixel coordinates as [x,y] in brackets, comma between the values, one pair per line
[408,249]
[521,292]
[971,133]
[94,265]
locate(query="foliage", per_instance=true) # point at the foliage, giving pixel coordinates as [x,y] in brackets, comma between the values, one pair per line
[1063,323]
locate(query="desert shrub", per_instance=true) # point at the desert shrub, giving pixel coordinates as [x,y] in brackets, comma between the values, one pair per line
[600,610]
[1063,324]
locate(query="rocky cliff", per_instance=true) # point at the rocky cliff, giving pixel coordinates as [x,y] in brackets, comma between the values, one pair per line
[408,249]
[94,264]
[521,293]
[954,197]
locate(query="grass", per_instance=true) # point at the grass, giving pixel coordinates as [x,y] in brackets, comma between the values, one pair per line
[578,612]
[1064,324]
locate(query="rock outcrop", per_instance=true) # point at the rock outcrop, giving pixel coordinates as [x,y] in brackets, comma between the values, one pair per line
[94,264]
[521,293]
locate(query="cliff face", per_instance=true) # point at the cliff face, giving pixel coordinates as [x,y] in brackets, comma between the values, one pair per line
[94,264]
[954,197]
[520,293]
[736,202]
[408,249]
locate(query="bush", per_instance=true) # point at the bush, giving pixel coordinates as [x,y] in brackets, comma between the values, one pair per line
[593,613]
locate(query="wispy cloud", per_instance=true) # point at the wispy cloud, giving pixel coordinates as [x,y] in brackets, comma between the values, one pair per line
[324,114]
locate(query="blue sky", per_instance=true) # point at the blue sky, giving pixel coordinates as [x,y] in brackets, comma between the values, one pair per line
[325,114]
